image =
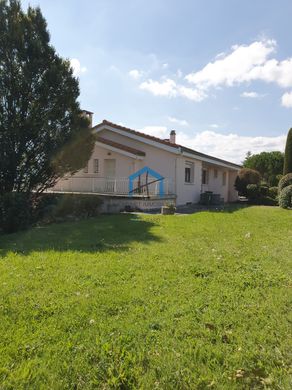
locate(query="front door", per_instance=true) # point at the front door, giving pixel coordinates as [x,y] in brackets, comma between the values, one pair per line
[110,173]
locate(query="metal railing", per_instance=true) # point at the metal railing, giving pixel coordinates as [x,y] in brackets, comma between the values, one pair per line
[114,186]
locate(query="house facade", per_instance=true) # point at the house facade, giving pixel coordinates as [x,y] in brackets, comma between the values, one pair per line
[128,163]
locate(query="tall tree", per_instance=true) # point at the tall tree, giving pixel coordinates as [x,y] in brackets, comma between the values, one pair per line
[288,154]
[268,164]
[41,126]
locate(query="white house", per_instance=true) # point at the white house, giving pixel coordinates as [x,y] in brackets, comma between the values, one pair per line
[126,163]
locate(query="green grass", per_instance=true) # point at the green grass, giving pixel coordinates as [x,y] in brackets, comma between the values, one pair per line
[147,301]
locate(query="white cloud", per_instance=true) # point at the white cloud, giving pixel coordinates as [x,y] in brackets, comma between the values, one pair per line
[180,122]
[165,66]
[279,72]
[233,68]
[231,147]
[76,66]
[156,131]
[196,95]
[214,125]
[163,88]
[170,88]
[136,74]
[287,99]
[252,95]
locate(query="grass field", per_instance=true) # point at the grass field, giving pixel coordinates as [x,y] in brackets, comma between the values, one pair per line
[147,301]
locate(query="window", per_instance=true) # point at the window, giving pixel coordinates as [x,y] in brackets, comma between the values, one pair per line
[95,166]
[85,169]
[205,177]
[215,173]
[224,179]
[189,172]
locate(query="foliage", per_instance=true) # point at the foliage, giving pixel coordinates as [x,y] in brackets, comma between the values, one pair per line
[285,181]
[145,302]
[246,176]
[65,206]
[260,195]
[288,154]
[253,191]
[285,197]
[42,133]
[15,211]
[273,192]
[268,164]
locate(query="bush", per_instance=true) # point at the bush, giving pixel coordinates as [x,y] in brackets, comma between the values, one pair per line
[56,207]
[285,197]
[16,211]
[285,181]
[253,191]
[245,177]
[273,192]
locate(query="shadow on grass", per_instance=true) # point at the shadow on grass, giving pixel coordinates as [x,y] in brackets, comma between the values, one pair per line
[110,232]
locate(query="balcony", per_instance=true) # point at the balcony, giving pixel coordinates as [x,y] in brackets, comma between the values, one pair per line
[114,186]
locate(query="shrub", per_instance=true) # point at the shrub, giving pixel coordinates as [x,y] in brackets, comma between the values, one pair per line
[246,176]
[285,181]
[54,207]
[273,192]
[285,197]
[253,191]
[288,154]
[16,211]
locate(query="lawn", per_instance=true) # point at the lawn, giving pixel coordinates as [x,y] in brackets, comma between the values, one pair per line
[128,301]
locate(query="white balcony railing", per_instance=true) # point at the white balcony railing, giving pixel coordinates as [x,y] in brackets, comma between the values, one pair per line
[114,186]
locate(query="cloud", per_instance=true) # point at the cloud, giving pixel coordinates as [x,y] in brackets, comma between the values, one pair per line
[136,74]
[233,68]
[180,122]
[76,66]
[214,125]
[163,88]
[252,95]
[170,88]
[231,147]
[156,131]
[287,99]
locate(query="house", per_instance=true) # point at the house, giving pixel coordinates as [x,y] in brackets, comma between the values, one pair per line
[128,164]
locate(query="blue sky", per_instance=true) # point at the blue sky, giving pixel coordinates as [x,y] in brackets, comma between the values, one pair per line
[219,72]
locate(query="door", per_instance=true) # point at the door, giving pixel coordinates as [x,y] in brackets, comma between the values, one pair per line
[110,173]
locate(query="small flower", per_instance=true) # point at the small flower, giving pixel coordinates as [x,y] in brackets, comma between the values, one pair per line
[91,322]
[247,235]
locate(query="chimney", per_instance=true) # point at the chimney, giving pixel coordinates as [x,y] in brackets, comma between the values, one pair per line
[88,115]
[172,137]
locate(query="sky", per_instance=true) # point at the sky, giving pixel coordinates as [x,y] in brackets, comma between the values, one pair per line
[219,72]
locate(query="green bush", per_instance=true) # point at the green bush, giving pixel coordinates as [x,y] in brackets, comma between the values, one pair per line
[245,177]
[285,181]
[273,192]
[253,191]
[16,211]
[285,197]
[54,207]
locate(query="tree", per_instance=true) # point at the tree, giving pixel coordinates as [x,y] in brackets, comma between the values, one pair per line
[42,132]
[268,164]
[288,154]
[245,177]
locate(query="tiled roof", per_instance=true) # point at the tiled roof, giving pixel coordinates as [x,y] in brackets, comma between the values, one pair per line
[120,146]
[166,142]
